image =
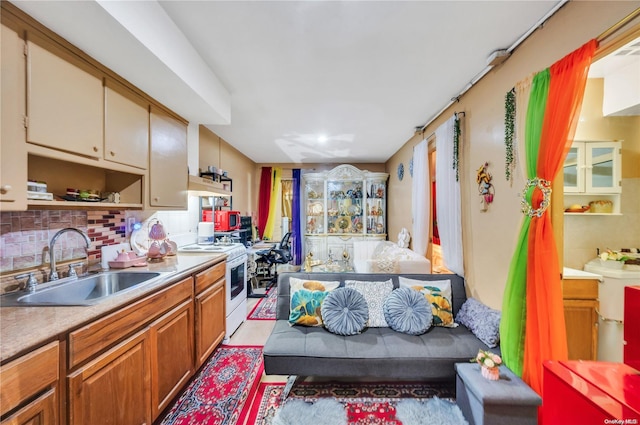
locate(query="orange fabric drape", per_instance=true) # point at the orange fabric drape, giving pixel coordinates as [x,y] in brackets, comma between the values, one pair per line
[545,327]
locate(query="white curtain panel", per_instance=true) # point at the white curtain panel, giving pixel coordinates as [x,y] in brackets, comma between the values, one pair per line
[421,198]
[448,205]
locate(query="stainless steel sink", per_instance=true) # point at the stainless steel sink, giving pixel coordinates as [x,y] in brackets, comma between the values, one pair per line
[86,290]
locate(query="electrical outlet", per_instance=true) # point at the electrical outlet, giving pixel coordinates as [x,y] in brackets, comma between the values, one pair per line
[131,221]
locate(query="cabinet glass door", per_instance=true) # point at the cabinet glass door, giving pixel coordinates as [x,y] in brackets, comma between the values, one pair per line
[344,207]
[314,195]
[602,165]
[376,207]
[573,169]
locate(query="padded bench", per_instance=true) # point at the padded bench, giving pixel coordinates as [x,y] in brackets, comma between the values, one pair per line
[506,401]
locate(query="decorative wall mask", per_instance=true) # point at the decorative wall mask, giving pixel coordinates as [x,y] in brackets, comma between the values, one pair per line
[485,187]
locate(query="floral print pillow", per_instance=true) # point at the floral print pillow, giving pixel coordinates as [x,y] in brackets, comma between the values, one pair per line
[438,294]
[306,300]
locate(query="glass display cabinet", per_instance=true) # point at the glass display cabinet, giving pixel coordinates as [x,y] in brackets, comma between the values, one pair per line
[343,205]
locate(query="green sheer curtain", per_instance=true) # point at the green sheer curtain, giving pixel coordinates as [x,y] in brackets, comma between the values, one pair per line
[512,326]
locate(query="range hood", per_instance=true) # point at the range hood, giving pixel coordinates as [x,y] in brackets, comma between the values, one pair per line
[199,186]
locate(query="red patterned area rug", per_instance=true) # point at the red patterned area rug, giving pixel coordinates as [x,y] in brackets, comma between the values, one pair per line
[366,403]
[265,309]
[217,395]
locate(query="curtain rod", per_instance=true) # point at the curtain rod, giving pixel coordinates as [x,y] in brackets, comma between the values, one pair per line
[630,17]
[434,133]
[486,70]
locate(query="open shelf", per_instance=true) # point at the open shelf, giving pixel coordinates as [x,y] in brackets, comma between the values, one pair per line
[61,205]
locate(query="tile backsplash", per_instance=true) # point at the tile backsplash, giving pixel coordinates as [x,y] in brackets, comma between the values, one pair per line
[585,234]
[25,236]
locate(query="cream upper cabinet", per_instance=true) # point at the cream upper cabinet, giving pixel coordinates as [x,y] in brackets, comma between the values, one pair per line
[13,151]
[593,167]
[593,178]
[168,174]
[65,105]
[126,127]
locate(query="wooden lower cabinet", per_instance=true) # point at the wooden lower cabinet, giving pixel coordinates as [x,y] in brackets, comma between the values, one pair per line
[41,411]
[210,313]
[210,321]
[29,387]
[114,388]
[580,298]
[171,355]
[124,368]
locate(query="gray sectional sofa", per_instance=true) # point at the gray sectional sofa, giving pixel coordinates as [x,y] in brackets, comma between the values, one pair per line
[376,352]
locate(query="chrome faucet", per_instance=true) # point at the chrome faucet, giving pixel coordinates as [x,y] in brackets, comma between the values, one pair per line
[52,258]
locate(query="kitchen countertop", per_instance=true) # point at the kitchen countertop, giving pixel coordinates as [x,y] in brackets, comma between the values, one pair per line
[24,327]
[568,273]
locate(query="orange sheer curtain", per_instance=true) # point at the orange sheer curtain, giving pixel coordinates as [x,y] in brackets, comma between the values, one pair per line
[545,327]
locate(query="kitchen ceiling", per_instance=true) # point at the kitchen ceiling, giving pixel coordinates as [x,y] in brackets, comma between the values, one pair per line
[297,81]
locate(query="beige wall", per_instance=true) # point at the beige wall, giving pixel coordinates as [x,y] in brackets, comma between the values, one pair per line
[215,151]
[489,237]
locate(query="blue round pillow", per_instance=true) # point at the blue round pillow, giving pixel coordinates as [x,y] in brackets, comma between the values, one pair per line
[344,311]
[407,310]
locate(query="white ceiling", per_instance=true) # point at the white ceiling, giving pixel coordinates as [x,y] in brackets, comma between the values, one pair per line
[272,77]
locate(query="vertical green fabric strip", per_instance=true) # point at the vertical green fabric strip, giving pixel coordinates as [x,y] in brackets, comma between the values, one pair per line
[514,305]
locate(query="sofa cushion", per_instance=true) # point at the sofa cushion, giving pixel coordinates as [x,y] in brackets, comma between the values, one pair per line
[438,294]
[482,320]
[344,312]
[407,311]
[375,293]
[376,352]
[306,300]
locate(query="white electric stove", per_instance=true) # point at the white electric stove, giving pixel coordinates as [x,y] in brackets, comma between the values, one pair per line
[235,277]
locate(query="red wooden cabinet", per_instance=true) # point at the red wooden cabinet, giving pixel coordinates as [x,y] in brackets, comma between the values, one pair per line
[631,326]
[588,392]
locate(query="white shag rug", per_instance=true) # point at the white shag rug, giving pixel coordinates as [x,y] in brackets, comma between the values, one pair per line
[433,411]
[326,411]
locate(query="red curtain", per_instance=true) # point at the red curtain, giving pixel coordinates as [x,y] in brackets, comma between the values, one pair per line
[545,327]
[264,198]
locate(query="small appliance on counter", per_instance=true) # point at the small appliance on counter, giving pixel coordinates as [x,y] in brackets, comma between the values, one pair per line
[206,233]
[226,221]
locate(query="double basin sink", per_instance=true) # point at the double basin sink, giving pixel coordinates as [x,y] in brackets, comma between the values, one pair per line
[87,290]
